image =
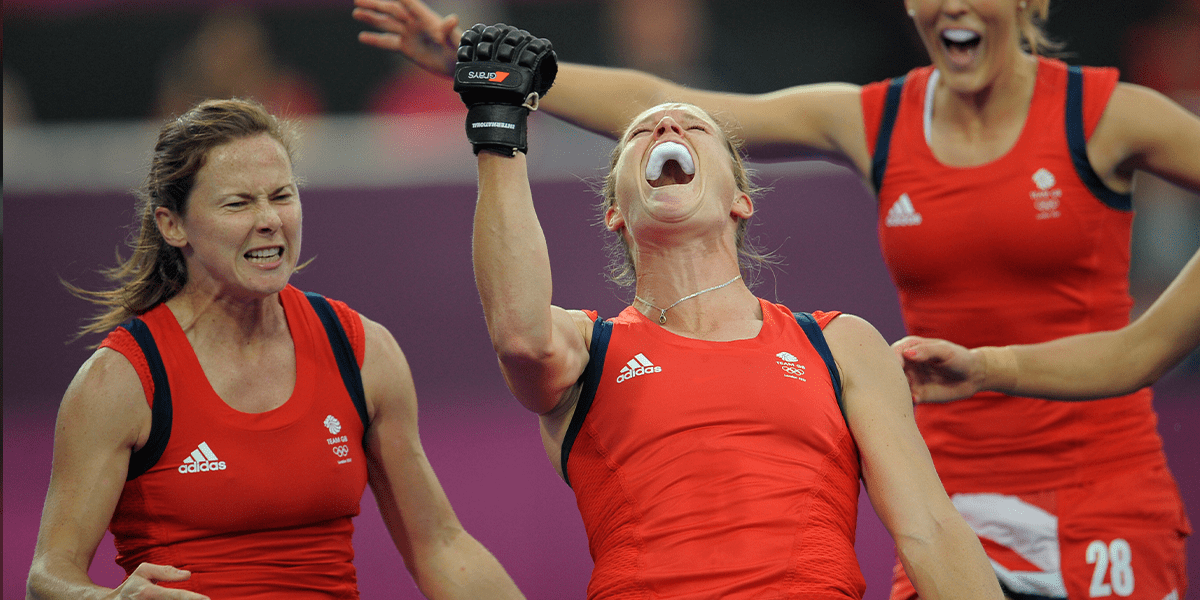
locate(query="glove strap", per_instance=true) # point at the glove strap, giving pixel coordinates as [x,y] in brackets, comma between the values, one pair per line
[497,127]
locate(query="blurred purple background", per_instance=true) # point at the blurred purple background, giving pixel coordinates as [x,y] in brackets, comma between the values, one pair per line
[402,257]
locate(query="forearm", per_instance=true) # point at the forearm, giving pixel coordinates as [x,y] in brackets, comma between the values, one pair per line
[512,265]
[1081,367]
[1108,363]
[948,562]
[463,568]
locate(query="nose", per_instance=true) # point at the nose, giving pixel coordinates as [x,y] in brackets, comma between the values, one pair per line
[665,126]
[954,8]
[268,217]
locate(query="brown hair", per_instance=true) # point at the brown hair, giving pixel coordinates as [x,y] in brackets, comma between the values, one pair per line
[156,271]
[622,270]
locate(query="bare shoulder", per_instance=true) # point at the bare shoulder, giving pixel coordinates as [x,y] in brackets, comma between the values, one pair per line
[387,379]
[1138,118]
[849,332]
[584,323]
[106,395]
[865,359]
[380,343]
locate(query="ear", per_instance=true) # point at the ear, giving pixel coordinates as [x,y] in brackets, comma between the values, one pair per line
[613,219]
[170,226]
[743,206]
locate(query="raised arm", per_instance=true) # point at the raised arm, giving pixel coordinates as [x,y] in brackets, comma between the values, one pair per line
[798,122]
[940,553]
[543,349]
[445,561]
[103,418]
[1080,367]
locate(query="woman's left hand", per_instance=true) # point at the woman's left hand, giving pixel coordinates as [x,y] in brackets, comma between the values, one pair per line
[937,370]
[412,29]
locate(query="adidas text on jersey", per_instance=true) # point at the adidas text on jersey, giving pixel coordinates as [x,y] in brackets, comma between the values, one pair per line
[638,365]
[202,459]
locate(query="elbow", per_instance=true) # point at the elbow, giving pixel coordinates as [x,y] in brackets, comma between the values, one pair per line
[519,343]
[444,563]
[520,350]
[920,541]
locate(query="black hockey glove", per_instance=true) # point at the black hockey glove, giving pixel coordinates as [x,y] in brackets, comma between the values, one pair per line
[501,74]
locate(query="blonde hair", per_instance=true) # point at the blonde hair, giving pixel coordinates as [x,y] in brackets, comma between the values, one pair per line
[1031,23]
[156,271]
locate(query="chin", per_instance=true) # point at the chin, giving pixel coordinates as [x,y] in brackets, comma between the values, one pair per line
[265,289]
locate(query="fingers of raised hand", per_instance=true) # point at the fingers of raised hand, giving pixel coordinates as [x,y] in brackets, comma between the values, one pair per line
[500,42]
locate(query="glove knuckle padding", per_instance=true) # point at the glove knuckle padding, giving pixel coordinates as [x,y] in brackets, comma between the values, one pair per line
[499,67]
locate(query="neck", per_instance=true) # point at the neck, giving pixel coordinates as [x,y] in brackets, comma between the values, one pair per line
[714,306]
[231,319]
[1002,98]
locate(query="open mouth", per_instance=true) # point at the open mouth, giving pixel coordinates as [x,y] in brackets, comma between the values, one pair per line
[670,164]
[960,44]
[264,255]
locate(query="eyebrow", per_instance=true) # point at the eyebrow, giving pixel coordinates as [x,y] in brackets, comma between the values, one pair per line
[244,194]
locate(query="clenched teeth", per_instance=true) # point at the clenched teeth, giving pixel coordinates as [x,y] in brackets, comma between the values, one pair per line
[265,254]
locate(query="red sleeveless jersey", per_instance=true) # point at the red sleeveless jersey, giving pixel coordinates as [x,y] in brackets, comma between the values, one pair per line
[716,469]
[1020,250]
[254,505]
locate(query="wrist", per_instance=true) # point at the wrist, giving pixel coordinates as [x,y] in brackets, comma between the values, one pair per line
[999,368]
[500,128]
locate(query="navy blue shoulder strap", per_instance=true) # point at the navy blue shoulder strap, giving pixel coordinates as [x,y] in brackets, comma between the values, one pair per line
[160,412]
[1077,142]
[816,337]
[588,381]
[883,141]
[344,353]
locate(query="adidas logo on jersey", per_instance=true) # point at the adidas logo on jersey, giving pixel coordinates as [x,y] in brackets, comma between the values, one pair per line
[902,213]
[638,365]
[202,459]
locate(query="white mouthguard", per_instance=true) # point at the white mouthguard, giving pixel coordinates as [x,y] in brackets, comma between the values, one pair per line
[669,151]
[960,36]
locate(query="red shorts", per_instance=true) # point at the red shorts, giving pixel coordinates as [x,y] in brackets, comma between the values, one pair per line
[1121,537]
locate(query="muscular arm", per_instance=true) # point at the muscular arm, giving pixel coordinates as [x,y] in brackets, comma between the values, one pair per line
[940,553]
[102,419]
[798,122]
[1080,367]
[542,348]
[444,560]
